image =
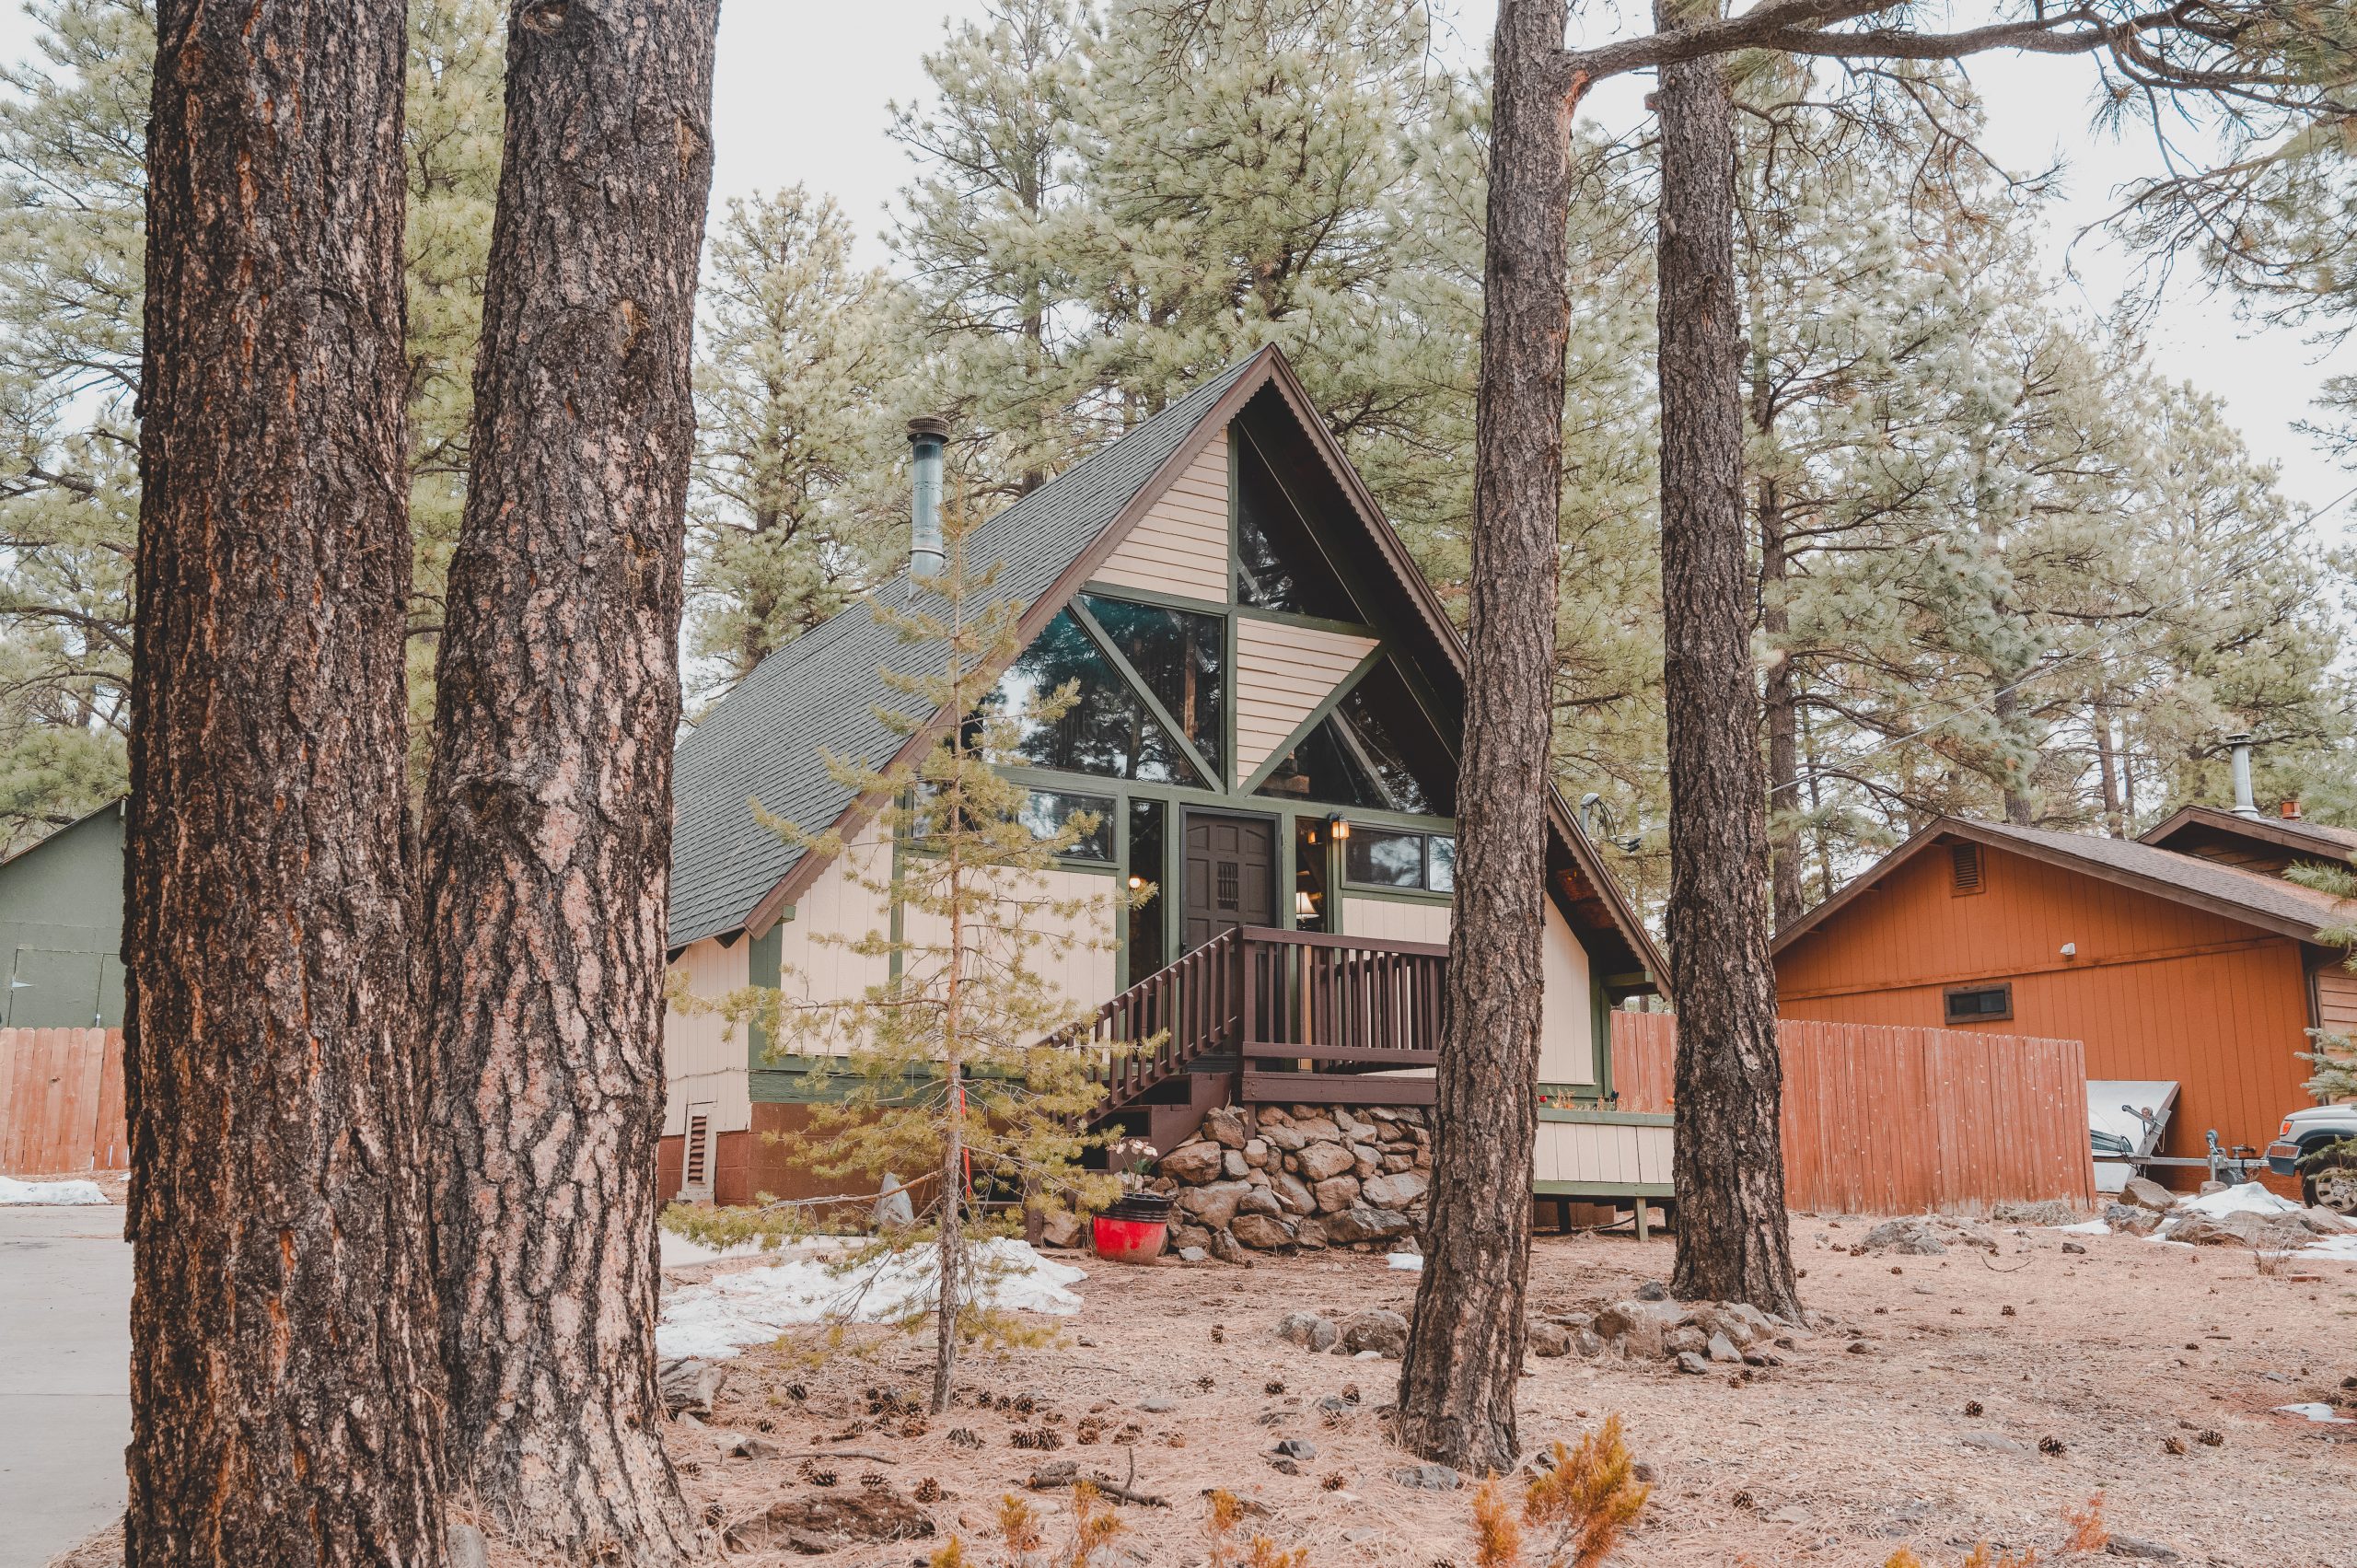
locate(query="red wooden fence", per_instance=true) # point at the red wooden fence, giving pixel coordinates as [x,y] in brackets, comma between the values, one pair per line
[61,1102]
[1881,1120]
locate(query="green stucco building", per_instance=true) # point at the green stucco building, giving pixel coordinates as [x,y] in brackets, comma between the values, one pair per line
[61,927]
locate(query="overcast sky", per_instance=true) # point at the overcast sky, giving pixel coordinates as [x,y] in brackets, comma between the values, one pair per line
[804,85]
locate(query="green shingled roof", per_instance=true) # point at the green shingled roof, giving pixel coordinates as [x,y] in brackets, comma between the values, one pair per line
[820,693]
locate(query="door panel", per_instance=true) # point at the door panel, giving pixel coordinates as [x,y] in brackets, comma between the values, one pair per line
[1230,875]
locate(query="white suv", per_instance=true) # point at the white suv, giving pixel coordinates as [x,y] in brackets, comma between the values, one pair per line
[2306,1133]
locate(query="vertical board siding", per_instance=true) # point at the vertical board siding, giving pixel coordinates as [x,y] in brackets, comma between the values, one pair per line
[2155,989]
[1882,1120]
[1283,672]
[703,1057]
[1566,1018]
[1586,1153]
[61,1102]
[1078,975]
[1180,545]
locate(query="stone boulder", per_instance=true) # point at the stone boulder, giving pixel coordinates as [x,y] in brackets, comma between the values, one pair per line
[1309,1331]
[1362,1223]
[1548,1338]
[1335,1194]
[1376,1329]
[1293,1194]
[1321,1160]
[2143,1192]
[1261,1231]
[1259,1200]
[1395,1191]
[1638,1328]
[1226,1125]
[1214,1205]
[2131,1220]
[1911,1234]
[1192,1162]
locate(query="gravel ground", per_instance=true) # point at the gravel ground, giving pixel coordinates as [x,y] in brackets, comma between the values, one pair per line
[1835,1458]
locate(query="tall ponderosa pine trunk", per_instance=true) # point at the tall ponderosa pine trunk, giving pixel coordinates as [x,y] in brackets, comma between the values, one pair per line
[283,1370]
[1456,1387]
[1733,1243]
[548,810]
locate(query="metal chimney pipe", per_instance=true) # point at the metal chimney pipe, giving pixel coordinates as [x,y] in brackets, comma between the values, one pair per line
[927,436]
[2243,805]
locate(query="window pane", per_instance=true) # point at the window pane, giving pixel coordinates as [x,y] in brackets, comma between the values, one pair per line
[1278,567]
[1326,767]
[1048,811]
[1146,939]
[1390,734]
[1310,900]
[1384,859]
[1183,658]
[1106,730]
[1440,872]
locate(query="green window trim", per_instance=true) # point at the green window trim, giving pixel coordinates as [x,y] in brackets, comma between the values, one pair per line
[1144,694]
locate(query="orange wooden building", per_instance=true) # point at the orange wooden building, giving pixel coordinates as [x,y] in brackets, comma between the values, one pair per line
[2185,955]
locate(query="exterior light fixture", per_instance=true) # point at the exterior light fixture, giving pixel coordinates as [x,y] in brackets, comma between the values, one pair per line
[1338,827]
[1304,906]
[1135,883]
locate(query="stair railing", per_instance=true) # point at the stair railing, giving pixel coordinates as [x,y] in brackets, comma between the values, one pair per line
[1187,1009]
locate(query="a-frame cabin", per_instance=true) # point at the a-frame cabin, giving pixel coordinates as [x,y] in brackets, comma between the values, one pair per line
[1268,726]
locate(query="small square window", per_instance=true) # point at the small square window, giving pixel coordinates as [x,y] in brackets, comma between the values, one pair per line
[1978,1003]
[1379,858]
[1048,812]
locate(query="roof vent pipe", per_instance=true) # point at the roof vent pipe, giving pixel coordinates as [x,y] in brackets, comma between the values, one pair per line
[927,436]
[2243,805]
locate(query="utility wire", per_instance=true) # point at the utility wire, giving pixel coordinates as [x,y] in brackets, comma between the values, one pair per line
[2050,665]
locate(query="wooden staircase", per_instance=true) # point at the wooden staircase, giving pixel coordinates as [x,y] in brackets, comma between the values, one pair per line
[1259,1016]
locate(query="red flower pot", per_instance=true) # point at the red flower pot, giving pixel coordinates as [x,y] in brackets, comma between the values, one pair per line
[1129,1241]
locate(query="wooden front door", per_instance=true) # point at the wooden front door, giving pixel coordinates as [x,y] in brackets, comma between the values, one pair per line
[1230,877]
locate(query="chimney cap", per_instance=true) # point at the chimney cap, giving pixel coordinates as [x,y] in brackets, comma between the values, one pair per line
[2291,808]
[928,426]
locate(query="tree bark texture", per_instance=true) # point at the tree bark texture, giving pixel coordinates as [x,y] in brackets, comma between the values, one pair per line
[1458,1385]
[1780,700]
[283,1370]
[1733,1243]
[549,807]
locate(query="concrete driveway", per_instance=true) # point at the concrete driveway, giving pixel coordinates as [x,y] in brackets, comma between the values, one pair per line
[65,1377]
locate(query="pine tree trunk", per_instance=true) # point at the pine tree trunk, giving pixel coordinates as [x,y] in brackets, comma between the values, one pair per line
[283,1372]
[949,1254]
[1780,696]
[1456,1387]
[549,809]
[1733,1243]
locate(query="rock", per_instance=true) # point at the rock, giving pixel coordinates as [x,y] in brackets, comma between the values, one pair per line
[1686,1337]
[1225,1125]
[2073,1247]
[2133,1221]
[1653,1290]
[1722,1350]
[1362,1223]
[1059,1229]
[1376,1329]
[826,1520]
[688,1385]
[1214,1205]
[468,1549]
[1309,1331]
[1548,1339]
[2045,1212]
[1227,1249]
[1157,1404]
[1320,1161]
[1256,1152]
[1284,1137]
[1365,1161]
[1912,1235]
[1293,1193]
[1232,1166]
[2271,1232]
[1261,1231]
[2213,1185]
[1297,1448]
[1259,1200]
[1184,1237]
[1588,1342]
[1053,1474]
[2324,1222]
[1315,1128]
[1994,1443]
[1687,1361]
[1284,1466]
[1638,1326]
[1428,1478]
[1335,1194]
[1194,1255]
[2143,1192]
[1308,1233]
[744,1446]
[1395,1191]
[2131,1546]
[1191,1163]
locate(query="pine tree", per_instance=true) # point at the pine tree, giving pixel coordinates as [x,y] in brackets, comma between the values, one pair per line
[802,357]
[968,1063]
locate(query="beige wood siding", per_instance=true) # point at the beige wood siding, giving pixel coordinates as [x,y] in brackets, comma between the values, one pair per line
[813,961]
[1567,1016]
[2337,1001]
[703,1059]
[1180,545]
[1394,920]
[1283,672]
[1081,973]
[1584,1152]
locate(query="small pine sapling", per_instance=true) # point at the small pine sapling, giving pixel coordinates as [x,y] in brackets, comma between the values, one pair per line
[2088,1532]
[1497,1535]
[1018,1529]
[1094,1524]
[966,1062]
[1587,1499]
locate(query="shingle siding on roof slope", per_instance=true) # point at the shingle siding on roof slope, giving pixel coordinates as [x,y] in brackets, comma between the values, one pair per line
[763,741]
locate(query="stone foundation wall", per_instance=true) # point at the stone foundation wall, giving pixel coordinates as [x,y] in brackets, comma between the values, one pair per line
[1270,1177]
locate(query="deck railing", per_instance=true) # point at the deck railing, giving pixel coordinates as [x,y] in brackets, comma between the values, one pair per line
[1306,1014]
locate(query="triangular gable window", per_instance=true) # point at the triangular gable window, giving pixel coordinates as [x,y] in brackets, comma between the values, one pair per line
[1109,731]
[1375,750]
[1182,658]
[1278,563]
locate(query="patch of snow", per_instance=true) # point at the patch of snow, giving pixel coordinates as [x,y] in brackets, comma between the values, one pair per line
[2325,1415]
[2249,1198]
[2085,1227]
[1407,1263]
[2341,1247]
[15,1191]
[754,1306]
[678,1253]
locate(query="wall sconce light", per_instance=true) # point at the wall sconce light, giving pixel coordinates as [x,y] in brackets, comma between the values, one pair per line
[1339,827]
[1304,905]
[1135,883]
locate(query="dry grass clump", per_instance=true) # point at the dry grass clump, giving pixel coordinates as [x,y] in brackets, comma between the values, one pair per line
[1227,1516]
[2088,1534]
